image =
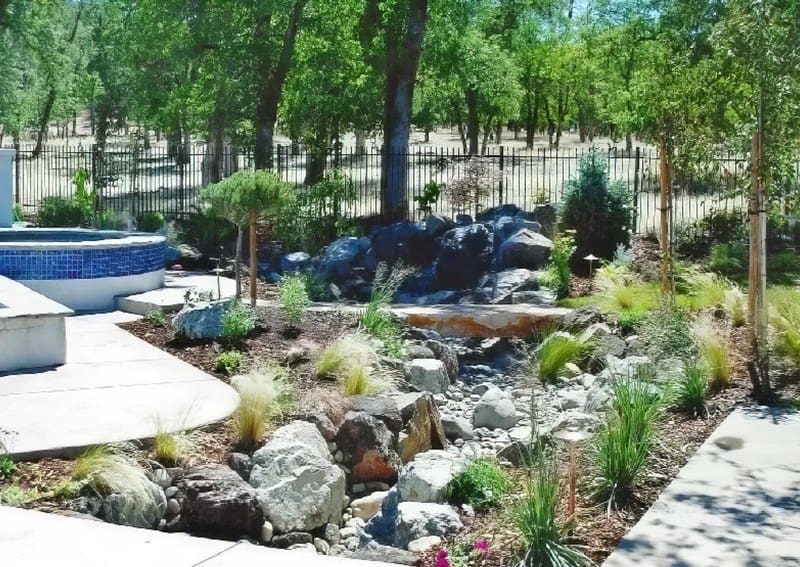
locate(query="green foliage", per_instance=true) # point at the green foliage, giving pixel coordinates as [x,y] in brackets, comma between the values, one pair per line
[784,306]
[558,271]
[690,390]
[536,519]
[714,352]
[630,319]
[482,485]
[18,497]
[621,447]
[150,222]
[665,333]
[316,288]
[228,362]
[238,322]
[18,213]
[60,212]
[556,350]
[698,290]
[727,258]
[353,362]
[428,197]
[376,320]
[156,318]
[596,209]
[735,307]
[7,465]
[293,299]
[248,192]
[265,394]
[165,448]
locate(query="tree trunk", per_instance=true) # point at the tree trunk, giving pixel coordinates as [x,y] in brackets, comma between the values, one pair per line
[665,171]
[472,120]
[213,162]
[403,50]
[253,259]
[237,264]
[272,80]
[361,142]
[757,279]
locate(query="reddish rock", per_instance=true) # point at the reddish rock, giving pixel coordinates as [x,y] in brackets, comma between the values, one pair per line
[369,448]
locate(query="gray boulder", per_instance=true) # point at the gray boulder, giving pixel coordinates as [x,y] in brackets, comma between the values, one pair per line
[499,287]
[304,433]
[427,374]
[435,225]
[218,501]
[495,410]
[448,355]
[457,427]
[416,520]
[425,478]
[525,249]
[202,320]
[295,262]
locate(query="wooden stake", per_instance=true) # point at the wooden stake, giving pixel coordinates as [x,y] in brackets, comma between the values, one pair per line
[253,258]
[666,236]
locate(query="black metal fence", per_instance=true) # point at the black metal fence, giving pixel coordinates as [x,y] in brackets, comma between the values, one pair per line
[137,180]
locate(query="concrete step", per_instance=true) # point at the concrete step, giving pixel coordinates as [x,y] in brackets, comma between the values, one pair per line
[171,297]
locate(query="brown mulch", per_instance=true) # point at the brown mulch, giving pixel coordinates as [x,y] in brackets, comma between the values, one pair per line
[647,257]
[272,340]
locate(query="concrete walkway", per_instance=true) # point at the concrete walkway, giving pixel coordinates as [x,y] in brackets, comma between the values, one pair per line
[114,387]
[736,502]
[32,539]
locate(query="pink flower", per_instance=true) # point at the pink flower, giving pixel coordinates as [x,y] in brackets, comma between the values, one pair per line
[441,559]
[482,546]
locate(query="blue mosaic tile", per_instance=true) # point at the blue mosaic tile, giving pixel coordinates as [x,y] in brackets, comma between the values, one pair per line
[88,263]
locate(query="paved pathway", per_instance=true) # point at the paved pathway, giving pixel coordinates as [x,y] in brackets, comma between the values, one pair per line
[32,539]
[736,502]
[114,387]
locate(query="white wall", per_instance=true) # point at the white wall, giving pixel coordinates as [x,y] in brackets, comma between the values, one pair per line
[32,342]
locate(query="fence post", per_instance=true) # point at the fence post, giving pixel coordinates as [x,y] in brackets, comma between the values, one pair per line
[182,177]
[502,163]
[279,150]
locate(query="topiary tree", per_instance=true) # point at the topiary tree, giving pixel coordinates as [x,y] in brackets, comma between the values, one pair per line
[597,210]
[246,198]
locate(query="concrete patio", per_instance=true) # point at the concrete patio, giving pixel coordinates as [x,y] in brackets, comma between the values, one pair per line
[113,387]
[736,502]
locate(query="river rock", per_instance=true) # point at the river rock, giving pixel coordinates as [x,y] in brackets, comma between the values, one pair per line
[427,374]
[417,520]
[495,410]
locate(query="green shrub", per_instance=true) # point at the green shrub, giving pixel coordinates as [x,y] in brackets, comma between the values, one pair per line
[536,519]
[228,362]
[630,319]
[238,322]
[728,258]
[62,212]
[7,465]
[165,448]
[735,307]
[264,394]
[558,271]
[482,485]
[784,305]
[18,213]
[293,299]
[598,211]
[376,320]
[352,361]
[621,447]
[156,318]
[150,222]
[690,390]
[665,333]
[316,288]
[17,497]
[698,290]
[556,350]
[714,351]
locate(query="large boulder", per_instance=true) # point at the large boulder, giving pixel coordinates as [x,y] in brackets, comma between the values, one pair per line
[201,320]
[464,254]
[340,258]
[495,409]
[525,249]
[219,502]
[448,355]
[423,430]
[546,216]
[369,448]
[295,262]
[417,519]
[141,505]
[499,287]
[403,241]
[299,489]
[427,374]
[382,407]
[425,478]
[436,225]
[496,213]
[456,427]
